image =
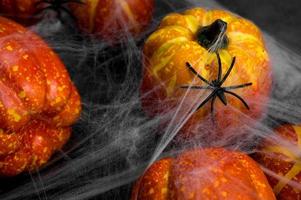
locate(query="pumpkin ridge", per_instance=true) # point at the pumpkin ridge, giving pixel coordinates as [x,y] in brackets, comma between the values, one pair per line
[169,44]
[192,23]
[38,77]
[208,17]
[92,18]
[242,161]
[128,10]
[295,169]
[293,172]
[243,36]
[58,67]
[40,66]
[181,32]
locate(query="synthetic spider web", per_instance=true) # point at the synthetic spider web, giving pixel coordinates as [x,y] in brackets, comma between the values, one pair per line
[114,141]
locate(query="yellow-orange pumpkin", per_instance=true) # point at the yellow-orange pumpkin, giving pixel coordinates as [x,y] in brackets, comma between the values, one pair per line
[178,41]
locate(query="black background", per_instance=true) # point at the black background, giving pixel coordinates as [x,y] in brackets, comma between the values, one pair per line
[280,19]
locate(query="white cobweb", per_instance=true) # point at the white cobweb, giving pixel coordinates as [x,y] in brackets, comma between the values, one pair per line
[114,141]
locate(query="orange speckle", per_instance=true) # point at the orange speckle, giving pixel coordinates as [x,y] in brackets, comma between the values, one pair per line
[151,191]
[22,94]
[224,194]
[12,112]
[9,48]
[25,56]
[15,68]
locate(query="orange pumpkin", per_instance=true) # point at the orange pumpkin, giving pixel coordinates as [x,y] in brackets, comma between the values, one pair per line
[283,160]
[29,12]
[113,20]
[38,101]
[206,53]
[21,11]
[212,173]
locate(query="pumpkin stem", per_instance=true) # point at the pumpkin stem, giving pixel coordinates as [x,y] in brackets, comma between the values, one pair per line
[213,37]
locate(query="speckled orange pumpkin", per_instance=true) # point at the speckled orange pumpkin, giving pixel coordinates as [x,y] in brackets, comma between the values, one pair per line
[194,38]
[283,159]
[204,174]
[38,101]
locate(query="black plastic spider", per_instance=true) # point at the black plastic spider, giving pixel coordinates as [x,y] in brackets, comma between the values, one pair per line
[56,5]
[216,85]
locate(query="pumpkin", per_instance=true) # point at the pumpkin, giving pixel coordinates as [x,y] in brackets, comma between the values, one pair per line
[198,58]
[29,12]
[113,20]
[212,173]
[38,101]
[21,11]
[283,159]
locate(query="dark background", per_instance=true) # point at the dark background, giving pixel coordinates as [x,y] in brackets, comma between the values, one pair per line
[280,19]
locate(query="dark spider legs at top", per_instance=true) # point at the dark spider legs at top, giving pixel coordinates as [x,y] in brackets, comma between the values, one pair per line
[216,85]
[58,6]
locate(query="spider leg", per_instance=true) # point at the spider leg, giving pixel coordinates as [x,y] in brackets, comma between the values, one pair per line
[240,98]
[237,86]
[207,99]
[222,97]
[197,74]
[212,108]
[212,103]
[220,70]
[196,87]
[229,71]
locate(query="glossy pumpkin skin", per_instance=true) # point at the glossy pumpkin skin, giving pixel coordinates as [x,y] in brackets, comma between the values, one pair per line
[113,20]
[21,11]
[284,160]
[204,174]
[174,43]
[38,101]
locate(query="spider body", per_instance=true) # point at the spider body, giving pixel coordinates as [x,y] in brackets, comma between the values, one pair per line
[216,85]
